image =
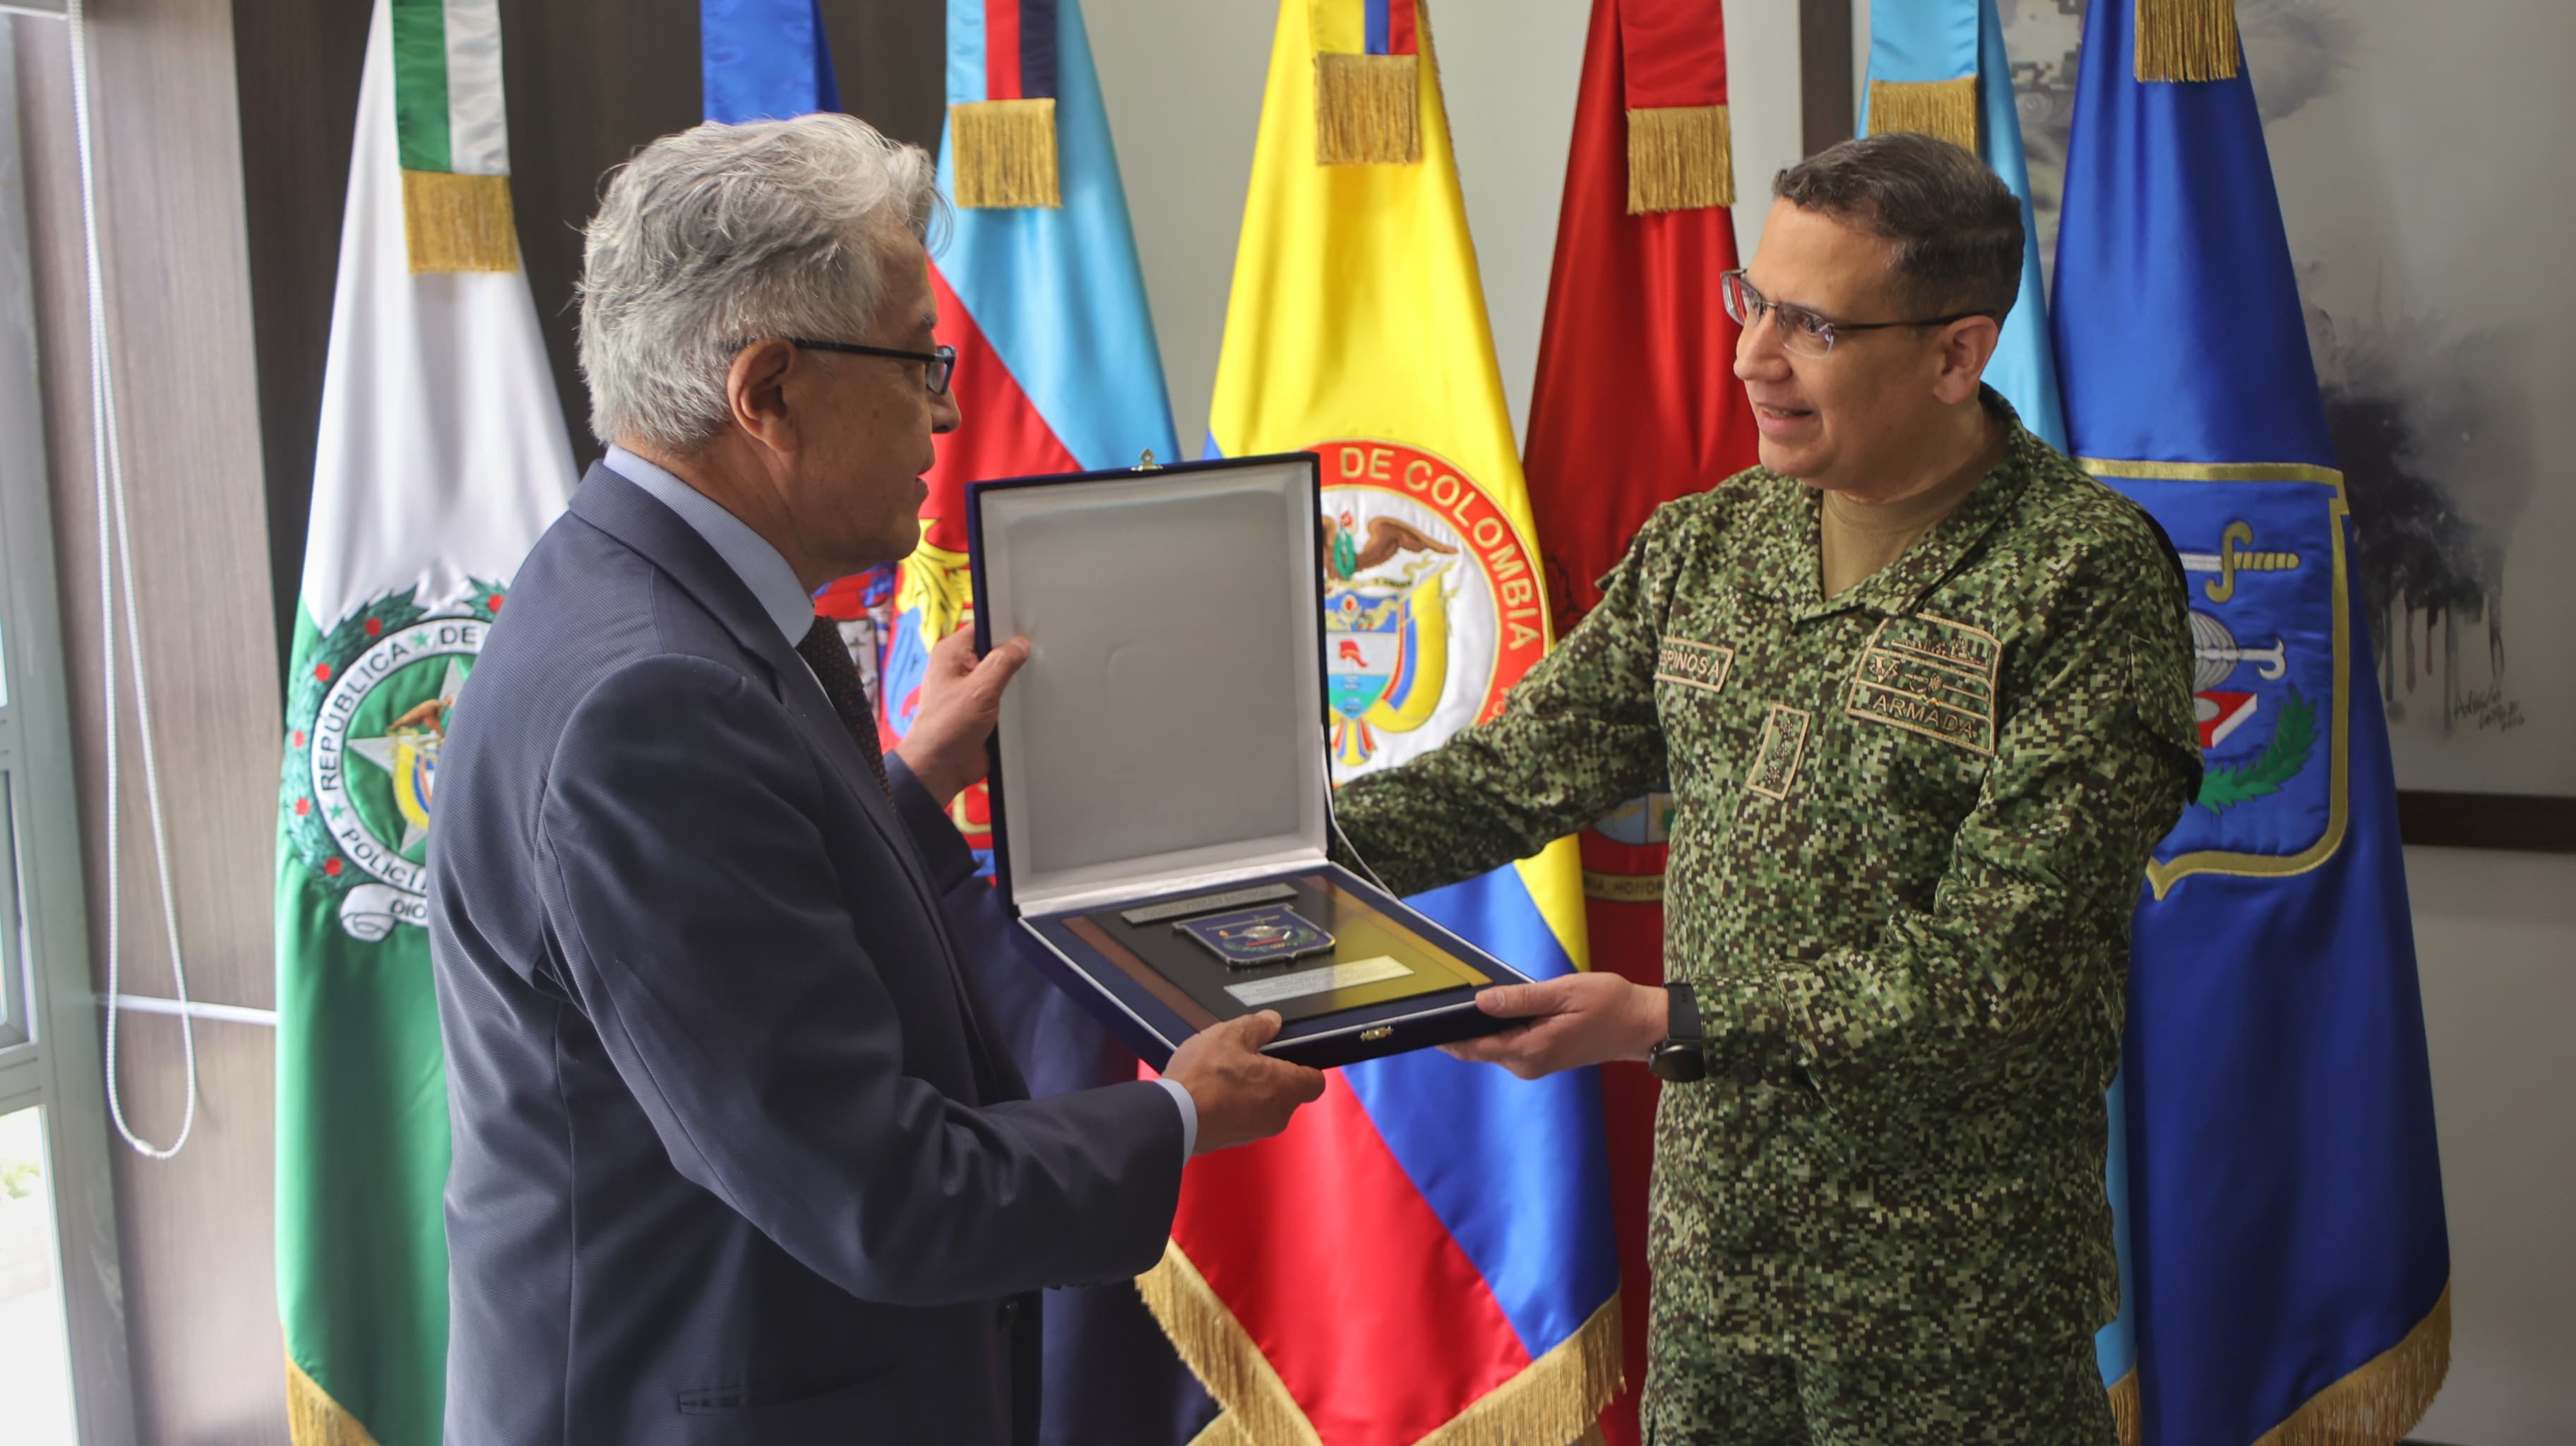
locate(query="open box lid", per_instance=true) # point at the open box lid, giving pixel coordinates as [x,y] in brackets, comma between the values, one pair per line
[1168,732]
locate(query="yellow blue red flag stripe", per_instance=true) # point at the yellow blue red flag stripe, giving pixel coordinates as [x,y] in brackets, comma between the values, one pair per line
[1430,1243]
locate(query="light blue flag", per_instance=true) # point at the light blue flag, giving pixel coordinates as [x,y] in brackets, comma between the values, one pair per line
[1912,41]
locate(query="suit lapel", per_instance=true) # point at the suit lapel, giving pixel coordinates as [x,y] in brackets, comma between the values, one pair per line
[635,517]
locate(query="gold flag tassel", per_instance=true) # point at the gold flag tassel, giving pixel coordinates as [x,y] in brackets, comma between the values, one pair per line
[1944,108]
[2124,1409]
[459,223]
[1005,153]
[2382,1400]
[1680,158]
[1557,1398]
[2187,39]
[1368,109]
[312,1417]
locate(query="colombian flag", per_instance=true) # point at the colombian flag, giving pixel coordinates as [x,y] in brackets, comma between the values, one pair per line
[2291,1267]
[1428,1246]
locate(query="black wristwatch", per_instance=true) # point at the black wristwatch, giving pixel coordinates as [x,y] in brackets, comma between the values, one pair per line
[1681,1056]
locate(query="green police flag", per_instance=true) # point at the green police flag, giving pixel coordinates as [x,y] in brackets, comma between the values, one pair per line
[441,457]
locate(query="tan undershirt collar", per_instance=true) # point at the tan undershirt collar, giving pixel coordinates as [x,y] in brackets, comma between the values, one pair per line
[1860,538]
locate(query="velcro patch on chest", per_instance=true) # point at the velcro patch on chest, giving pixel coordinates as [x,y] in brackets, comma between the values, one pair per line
[1694,665]
[1930,676]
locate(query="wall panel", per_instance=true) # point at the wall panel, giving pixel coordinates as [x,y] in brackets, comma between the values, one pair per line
[194,1234]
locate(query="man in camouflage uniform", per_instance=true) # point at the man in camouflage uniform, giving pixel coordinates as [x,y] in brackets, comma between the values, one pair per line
[1921,689]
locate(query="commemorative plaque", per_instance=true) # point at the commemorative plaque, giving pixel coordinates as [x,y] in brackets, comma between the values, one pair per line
[1161,776]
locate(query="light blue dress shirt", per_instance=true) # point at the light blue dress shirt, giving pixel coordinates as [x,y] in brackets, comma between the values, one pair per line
[774,586]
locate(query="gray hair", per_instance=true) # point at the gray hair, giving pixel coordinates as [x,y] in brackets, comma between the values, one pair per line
[1956,225]
[723,234]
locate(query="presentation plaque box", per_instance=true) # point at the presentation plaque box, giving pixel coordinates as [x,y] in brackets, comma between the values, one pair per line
[1161,785]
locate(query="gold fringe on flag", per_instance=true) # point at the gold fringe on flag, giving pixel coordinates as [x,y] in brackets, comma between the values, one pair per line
[1005,154]
[2383,1400]
[1222,1432]
[2124,1409]
[312,1417]
[2186,39]
[1220,1352]
[1368,110]
[453,222]
[1558,1398]
[1944,108]
[1680,158]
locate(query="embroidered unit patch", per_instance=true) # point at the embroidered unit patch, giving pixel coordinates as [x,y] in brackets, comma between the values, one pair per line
[1930,676]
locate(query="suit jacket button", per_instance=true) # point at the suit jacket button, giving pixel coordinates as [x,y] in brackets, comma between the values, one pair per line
[1009,1314]
[1748,1071]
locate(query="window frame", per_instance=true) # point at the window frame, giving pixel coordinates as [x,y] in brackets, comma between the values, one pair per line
[49,1043]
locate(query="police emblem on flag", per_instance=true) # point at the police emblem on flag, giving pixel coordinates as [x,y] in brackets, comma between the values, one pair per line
[367,713]
[2263,557]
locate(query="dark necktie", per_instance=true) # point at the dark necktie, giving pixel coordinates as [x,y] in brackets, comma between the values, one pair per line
[824,652]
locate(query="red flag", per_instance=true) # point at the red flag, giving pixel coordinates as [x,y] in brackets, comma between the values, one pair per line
[1636,404]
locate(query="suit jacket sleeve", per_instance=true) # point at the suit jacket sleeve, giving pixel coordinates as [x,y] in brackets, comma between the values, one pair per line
[708,937]
[943,849]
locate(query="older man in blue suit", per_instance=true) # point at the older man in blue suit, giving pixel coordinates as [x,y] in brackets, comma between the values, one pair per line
[739,1157]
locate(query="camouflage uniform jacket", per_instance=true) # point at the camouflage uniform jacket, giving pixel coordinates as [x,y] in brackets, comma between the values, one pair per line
[1912,824]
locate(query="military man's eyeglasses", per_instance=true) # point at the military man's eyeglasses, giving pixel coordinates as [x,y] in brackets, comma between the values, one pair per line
[1805,332]
[936,367]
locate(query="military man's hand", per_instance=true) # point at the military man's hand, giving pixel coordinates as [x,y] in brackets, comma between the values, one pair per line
[1242,1095]
[1574,1019]
[961,699]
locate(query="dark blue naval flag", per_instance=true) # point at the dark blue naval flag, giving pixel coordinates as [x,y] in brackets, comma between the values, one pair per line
[764,60]
[2291,1266]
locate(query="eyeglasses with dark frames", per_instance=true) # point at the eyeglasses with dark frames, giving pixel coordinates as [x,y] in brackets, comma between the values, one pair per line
[936,366]
[1806,332]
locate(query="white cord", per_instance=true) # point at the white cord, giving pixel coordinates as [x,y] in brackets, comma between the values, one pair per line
[1333,818]
[109,487]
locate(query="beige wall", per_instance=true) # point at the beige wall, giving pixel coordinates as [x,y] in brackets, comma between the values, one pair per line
[2495,935]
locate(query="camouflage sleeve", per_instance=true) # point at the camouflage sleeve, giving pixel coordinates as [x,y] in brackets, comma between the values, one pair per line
[2026,936]
[1576,735]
